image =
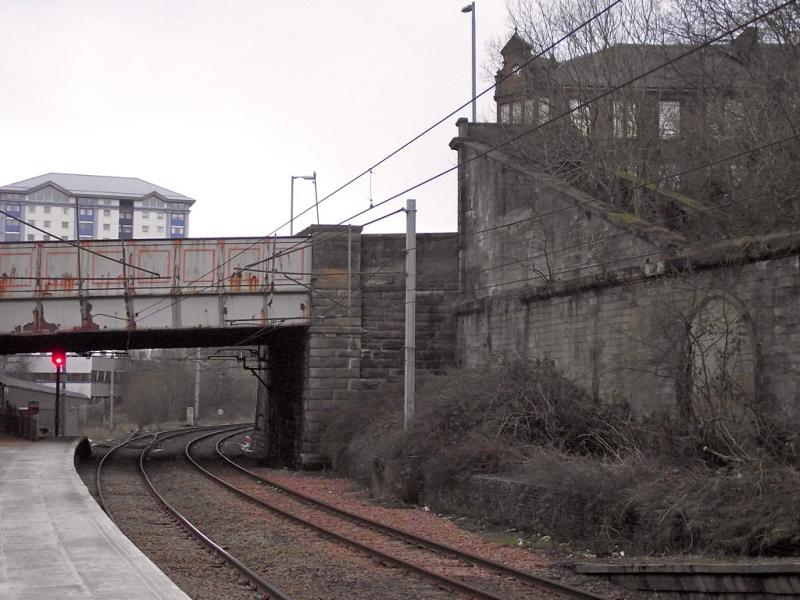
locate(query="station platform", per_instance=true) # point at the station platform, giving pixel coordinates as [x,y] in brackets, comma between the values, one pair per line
[55,541]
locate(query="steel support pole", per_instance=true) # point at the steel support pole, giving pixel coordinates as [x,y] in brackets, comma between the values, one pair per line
[411,292]
[196,391]
[474,88]
[316,197]
[291,209]
[111,403]
[58,401]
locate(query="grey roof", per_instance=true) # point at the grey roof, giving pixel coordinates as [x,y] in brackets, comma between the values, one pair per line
[21,384]
[96,185]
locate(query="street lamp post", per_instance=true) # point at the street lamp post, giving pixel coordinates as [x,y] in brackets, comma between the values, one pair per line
[470,8]
[291,198]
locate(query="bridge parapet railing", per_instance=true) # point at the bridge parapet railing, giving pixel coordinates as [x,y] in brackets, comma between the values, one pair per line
[53,287]
[153,267]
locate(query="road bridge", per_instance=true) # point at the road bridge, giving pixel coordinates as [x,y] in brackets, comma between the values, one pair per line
[325,308]
[122,294]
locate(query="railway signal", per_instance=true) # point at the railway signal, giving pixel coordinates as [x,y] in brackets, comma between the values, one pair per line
[58,358]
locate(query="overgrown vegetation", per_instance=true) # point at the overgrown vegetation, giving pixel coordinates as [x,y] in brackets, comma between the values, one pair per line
[599,476]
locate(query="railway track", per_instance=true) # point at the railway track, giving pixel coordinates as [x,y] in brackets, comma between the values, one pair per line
[316,515]
[144,448]
[441,571]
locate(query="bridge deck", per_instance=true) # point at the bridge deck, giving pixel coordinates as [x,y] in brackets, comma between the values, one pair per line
[56,542]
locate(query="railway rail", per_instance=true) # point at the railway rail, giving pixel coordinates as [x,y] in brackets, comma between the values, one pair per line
[497,581]
[257,580]
[535,582]
[423,542]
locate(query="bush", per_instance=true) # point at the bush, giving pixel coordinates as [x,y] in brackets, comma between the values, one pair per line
[600,476]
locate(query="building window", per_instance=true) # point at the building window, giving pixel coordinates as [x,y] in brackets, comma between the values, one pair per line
[32,222]
[13,208]
[31,237]
[516,112]
[669,119]
[505,113]
[160,216]
[47,224]
[106,212]
[46,238]
[145,215]
[47,210]
[145,229]
[531,113]
[160,229]
[64,224]
[64,210]
[31,208]
[624,119]
[106,227]
[580,116]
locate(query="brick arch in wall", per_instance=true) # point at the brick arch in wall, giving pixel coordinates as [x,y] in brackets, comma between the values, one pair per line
[720,369]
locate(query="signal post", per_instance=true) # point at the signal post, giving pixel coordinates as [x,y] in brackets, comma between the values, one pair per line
[59,360]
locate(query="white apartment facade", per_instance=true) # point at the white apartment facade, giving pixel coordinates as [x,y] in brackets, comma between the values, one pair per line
[88,207]
[91,207]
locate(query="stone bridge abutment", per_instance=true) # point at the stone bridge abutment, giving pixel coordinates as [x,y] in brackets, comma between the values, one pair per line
[353,344]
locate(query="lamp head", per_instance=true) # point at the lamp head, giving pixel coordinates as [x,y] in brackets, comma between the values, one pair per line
[468,8]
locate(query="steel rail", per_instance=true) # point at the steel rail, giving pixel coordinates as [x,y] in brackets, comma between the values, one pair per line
[447,582]
[262,584]
[527,577]
[97,479]
[135,438]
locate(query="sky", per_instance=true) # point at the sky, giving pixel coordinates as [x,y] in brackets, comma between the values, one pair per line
[225,101]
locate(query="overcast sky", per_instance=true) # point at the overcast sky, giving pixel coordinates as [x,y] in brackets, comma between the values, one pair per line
[224,101]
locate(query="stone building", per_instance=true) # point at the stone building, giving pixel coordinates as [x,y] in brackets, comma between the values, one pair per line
[643,290]
[613,117]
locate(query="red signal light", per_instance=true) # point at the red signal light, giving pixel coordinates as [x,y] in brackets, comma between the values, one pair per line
[58,358]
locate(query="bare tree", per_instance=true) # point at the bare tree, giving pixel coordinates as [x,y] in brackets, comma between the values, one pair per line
[713,132]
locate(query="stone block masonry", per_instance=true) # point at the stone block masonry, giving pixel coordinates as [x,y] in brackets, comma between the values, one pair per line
[354,344]
[624,307]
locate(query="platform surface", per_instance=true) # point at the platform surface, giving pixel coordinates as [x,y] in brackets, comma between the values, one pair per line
[55,541]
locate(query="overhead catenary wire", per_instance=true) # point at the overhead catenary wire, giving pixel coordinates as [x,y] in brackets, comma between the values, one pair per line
[180,299]
[634,187]
[578,107]
[592,200]
[544,51]
[562,115]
